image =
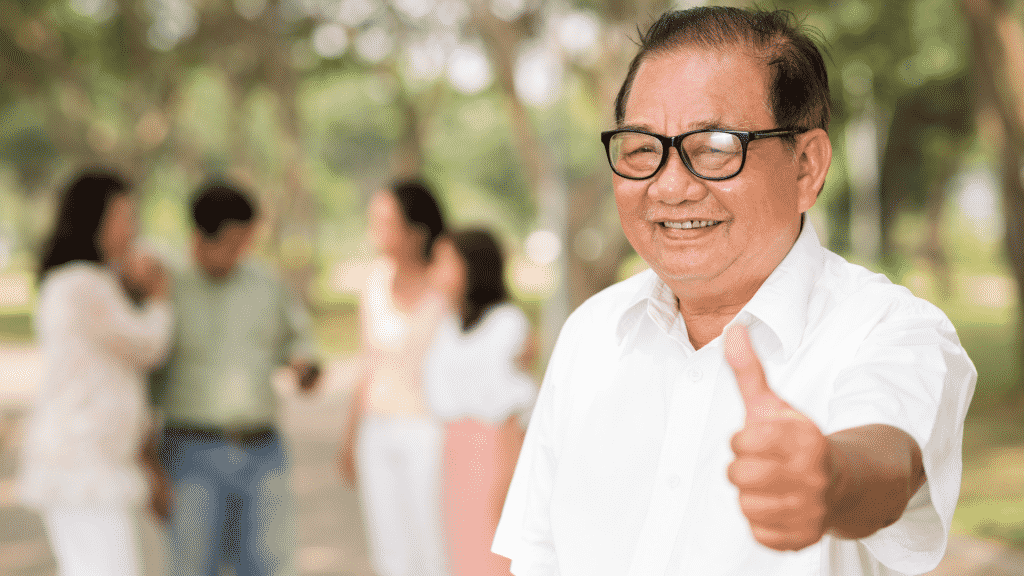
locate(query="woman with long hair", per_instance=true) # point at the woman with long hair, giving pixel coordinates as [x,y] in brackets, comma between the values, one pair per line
[392,445]
[477,383]
[81,464]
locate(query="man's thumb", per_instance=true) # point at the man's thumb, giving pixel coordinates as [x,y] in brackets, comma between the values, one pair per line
[758,398]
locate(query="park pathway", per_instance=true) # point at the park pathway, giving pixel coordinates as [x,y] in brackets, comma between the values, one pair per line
[330,532]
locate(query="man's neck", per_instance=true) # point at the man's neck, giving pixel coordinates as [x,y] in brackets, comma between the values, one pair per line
[706,314]
[709,304]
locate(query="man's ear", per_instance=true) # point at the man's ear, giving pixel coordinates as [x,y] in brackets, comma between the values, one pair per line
[813,157]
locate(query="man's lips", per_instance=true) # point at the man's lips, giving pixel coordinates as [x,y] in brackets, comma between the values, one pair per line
[688,224]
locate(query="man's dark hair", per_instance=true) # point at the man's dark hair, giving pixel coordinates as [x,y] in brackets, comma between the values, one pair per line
[218,203]
[80,212]
[485,274]
[798,83]
[421,210]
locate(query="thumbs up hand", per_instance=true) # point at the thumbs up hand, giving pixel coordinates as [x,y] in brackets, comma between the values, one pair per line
[784,466]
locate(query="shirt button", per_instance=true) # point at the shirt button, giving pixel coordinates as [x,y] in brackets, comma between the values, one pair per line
[673,481]
[696,374]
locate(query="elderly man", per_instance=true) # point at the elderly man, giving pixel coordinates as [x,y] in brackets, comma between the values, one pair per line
[753,404]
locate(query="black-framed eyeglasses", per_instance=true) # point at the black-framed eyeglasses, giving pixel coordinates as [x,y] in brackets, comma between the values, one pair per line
[709,154]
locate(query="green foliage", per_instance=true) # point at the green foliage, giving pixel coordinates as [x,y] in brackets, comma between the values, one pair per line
[16,328]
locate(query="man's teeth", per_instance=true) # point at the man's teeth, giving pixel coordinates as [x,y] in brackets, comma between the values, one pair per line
[690,224]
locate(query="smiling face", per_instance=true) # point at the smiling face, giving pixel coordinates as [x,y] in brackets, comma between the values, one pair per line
[715,238]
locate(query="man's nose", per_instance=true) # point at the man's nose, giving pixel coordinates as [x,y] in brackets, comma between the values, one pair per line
[675,184]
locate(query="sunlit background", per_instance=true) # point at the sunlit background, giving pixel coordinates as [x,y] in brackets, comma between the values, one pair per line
[315,104]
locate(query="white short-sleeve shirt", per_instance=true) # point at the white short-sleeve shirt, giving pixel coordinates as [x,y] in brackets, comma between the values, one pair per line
[623,471]
[475,374]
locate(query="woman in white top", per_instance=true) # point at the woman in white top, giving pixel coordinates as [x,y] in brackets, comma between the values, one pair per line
[476,383]
[391,443]
[81,464]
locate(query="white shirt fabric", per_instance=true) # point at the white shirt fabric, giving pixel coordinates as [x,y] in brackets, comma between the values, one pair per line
[623,470]
[475,374]
[83,437]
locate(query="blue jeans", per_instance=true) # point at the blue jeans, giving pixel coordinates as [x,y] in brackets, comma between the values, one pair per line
[231,503]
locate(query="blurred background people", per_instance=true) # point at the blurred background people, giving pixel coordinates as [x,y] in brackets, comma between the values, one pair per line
[476,383]
[391,443]
[237,324]
[81,458]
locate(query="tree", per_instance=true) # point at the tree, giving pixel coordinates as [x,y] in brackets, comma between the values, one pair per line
[998,50]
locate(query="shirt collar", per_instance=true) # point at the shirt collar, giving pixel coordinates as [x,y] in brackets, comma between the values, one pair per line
[638,302]
[783,300]
[781,303]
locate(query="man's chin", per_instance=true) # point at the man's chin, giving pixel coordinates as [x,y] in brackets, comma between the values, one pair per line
[685,271]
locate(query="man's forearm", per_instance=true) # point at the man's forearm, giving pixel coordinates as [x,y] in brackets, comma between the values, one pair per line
[877,469]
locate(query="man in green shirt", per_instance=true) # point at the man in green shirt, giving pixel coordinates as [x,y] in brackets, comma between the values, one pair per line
[237,323]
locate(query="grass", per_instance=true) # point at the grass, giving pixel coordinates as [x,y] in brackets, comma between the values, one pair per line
[16,327]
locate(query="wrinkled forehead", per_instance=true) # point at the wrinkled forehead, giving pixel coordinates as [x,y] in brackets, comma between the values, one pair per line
[694,75]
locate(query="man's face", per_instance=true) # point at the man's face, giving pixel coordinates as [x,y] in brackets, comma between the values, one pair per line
[755,215]
[219,255]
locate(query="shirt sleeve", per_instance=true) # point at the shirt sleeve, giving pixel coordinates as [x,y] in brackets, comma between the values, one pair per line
[138,335]
[912,373]
[524,533]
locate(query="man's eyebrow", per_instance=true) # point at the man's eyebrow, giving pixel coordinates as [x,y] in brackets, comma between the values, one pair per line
[641,127]
[713,124]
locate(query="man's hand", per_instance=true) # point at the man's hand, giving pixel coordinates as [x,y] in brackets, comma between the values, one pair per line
[307,375]
[784,467]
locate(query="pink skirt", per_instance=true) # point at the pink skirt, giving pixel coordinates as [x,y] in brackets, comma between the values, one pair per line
[478,463]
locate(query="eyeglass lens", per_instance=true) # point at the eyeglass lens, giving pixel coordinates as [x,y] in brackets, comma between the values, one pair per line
[711,154]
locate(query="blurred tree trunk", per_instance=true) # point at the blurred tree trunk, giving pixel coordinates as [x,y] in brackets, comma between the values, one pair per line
[593,268]
[545,176]
[296,236]
[930,131]
[587,200]
[998,43]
